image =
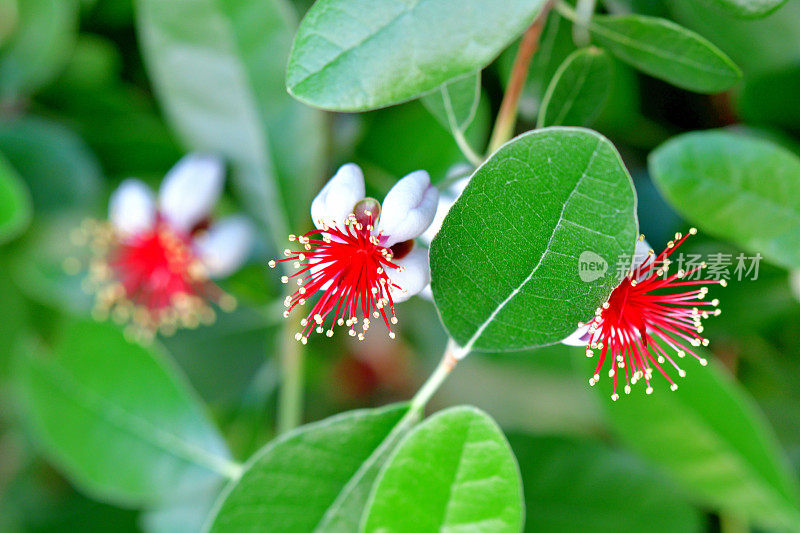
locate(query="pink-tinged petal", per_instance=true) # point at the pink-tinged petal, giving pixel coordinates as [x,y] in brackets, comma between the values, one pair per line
[408,209]
[414,276]
[132,207]
[190,190]
[225,246]
[338,197]
[446,200]
[579,337]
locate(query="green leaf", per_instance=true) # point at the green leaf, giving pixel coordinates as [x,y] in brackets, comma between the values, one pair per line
[221,358]
[117,119]
[39,48]
[709,436]
[15,319]
[777,35]
[355,56]
[117,418]
[764,97]
[324,470]
[184,515]
[58,168]
[50,268]
[505,265]
[217,68]
[455,103]
[15,203]
[748,8]
[453,472]
[570,483]
[665,50]
[578,90]
[735,187]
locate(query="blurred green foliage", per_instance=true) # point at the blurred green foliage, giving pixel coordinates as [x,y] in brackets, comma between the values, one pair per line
[88,97]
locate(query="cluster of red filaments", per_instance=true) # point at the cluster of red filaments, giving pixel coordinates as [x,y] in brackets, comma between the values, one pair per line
[650,314]
[348,267]
[152,280]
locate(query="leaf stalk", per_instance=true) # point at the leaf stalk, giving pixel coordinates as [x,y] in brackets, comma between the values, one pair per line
[507,116]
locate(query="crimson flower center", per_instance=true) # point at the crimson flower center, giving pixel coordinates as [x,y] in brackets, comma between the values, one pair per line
[650,317]
[156,266]
[348,267]
[152,279]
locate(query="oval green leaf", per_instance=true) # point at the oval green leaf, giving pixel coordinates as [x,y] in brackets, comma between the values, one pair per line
[117,418]
[735,187]
[750,9]
[777,35]
[453,472]
[217,67]
[15,203]
[570,483]
[325,472]
[667,51]
[505,267]
[710,437]
[357,56]
[578,90]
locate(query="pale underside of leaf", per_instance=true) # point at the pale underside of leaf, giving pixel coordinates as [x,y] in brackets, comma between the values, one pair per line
[161,439]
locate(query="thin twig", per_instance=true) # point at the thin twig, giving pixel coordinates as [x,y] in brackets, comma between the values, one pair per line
[507,116]
[290,395]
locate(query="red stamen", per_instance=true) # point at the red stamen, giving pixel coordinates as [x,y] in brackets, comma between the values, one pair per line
[631,323]
[348,266]
[153,279]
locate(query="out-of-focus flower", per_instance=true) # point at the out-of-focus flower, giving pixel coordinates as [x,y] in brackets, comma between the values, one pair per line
[645,321]
[361,258]
[153,260]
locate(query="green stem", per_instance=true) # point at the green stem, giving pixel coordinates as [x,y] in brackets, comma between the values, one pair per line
[290,397]
[443,369]
[507,116]
[463,145]
[566,11]
[583,15]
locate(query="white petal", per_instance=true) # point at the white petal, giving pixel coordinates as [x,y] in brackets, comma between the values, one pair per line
[446,200]
[409,208]
[132,207]
[190,190]
[416,275]
[580,337]
[427,293]
[225,246]
[641,252]
[338,197]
